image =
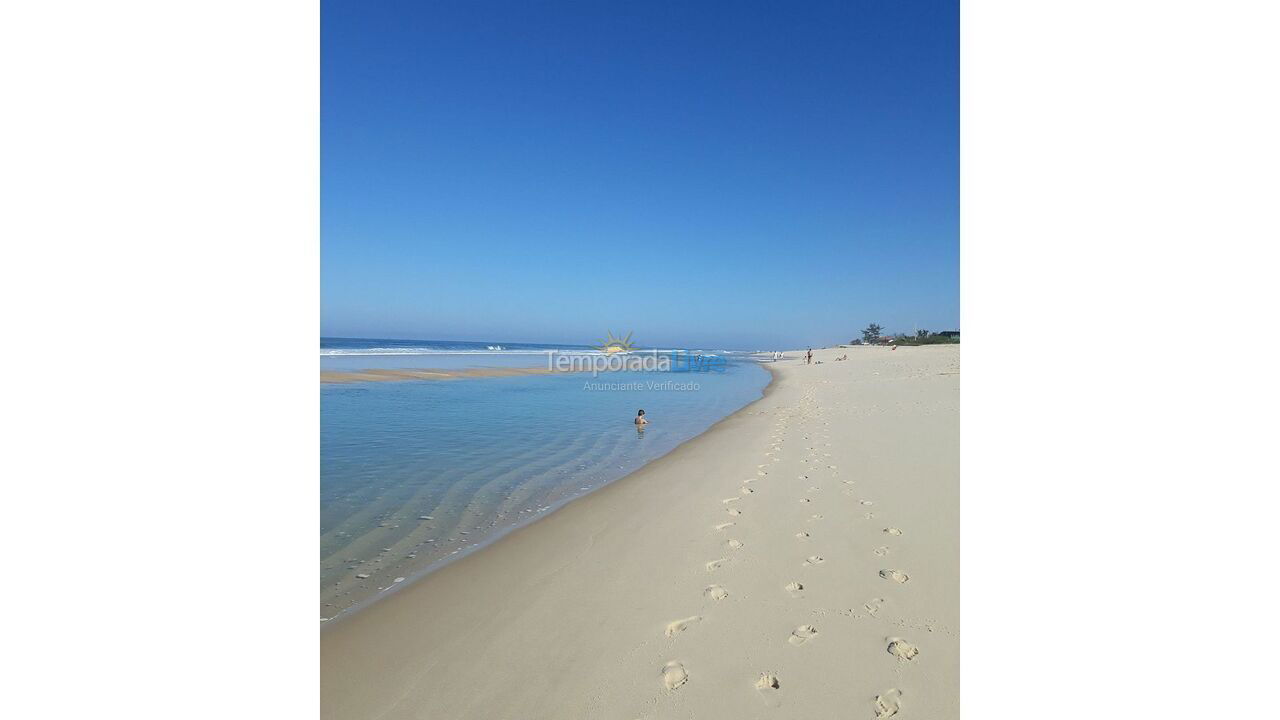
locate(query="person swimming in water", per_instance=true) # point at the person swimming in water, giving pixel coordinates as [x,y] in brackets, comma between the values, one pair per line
[640,419]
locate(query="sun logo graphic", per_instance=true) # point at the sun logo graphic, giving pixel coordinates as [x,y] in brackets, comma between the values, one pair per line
[611,344]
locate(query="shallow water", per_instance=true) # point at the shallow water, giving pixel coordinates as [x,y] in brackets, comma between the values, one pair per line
[416,473]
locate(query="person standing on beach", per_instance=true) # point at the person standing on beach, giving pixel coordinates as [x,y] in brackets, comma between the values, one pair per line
[808,357]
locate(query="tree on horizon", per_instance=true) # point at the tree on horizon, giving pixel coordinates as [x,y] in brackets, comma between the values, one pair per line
[872,333]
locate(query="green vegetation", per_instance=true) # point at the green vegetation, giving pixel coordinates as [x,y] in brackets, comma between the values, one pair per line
[871,336]
[924,337]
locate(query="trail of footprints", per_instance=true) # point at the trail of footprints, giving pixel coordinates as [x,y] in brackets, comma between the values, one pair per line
[674,675]
[679,626]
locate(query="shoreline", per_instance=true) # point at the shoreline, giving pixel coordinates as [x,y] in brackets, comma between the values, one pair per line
[407,559]
[421,574]
[650,575]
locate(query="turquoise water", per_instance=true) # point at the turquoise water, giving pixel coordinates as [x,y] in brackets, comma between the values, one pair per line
[416,473]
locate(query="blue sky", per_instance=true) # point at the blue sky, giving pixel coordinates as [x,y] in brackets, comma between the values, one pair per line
[736,174]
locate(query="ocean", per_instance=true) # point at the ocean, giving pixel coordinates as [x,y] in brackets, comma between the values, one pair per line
[416,473]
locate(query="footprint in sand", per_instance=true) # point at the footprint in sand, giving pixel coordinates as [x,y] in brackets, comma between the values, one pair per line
[674,675]
[715,564]
[747,491]
[724,525]
[872,606]
[734,512]
[715,592]
[767,689]
[866,502]
[802,634]
[802,535]
[895,575]
[767,682]
[869,516]
[794,588]
[881,551]
[735,544]
[814,560]
[902,649]
[888,704]
[726,501]
[678,626]
[893,531]
[804,500]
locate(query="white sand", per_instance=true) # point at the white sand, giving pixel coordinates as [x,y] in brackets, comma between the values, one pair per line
[798,560]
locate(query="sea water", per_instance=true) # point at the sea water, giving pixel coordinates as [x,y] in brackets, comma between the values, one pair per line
[416,473]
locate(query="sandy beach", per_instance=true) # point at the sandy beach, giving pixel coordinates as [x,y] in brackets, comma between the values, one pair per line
[800,559]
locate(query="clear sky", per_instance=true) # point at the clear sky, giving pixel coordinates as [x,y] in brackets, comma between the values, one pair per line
[705,174]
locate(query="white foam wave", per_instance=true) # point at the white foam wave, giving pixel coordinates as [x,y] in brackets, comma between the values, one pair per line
[496,350]
[436,351]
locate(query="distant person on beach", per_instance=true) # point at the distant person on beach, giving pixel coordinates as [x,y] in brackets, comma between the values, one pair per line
[808,357]
[640,419]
